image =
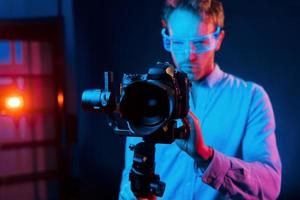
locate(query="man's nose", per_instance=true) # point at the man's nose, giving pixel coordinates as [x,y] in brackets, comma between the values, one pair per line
[190,52]
[192,56]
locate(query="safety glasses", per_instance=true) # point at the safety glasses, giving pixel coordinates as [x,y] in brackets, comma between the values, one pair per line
[197,44]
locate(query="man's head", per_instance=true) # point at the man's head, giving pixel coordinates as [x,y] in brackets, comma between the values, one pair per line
[193,34]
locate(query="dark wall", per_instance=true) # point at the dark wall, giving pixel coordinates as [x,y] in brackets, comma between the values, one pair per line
[100,158]
[261,45]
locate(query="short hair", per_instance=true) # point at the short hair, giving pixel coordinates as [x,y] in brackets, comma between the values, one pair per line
[207,9]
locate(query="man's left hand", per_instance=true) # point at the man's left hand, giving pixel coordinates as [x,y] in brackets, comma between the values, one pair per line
[194,145]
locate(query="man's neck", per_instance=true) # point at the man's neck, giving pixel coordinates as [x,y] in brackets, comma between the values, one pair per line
[206,74]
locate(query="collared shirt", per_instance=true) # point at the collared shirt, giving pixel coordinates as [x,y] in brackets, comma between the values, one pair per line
[237,121]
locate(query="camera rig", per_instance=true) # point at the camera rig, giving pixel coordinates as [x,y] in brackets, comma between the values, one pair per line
[149,106]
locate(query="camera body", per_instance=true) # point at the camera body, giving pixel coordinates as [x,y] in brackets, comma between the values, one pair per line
[149,104]
[149,101]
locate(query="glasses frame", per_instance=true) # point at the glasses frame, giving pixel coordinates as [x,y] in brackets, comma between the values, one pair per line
[168,40]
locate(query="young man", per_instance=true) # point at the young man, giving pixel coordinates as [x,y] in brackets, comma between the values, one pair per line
[231,151]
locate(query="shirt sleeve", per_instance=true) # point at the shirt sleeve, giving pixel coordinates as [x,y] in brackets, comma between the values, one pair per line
[258,174]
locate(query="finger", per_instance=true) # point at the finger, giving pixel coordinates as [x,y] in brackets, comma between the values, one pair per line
[196,136]
[189,121]
[193,117]
[195,122]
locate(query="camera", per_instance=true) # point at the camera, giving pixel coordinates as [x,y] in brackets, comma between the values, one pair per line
[149,104]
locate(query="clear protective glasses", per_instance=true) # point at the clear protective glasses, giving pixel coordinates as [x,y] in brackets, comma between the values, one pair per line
[199,44]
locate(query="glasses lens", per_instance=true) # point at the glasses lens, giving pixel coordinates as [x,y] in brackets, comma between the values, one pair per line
[197,45]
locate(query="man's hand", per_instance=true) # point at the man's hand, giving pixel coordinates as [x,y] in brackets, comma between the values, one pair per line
[195,145]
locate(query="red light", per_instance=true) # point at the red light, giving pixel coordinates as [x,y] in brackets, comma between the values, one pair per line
[14,102]
[60,99]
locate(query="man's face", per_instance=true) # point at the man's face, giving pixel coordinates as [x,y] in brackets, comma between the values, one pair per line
[184,24]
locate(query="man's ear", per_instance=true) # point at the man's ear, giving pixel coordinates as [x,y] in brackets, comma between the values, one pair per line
[220,40]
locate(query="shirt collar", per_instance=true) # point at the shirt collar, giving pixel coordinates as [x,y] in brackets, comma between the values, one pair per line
[214,76]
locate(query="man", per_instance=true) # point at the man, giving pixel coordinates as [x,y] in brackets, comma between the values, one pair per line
[231,151]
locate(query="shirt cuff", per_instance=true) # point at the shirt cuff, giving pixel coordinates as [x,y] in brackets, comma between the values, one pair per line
[216,170]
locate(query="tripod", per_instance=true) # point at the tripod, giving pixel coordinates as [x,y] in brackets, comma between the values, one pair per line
[144,182]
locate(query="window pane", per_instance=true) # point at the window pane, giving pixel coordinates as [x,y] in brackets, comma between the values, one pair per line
[19,55]
[4,52]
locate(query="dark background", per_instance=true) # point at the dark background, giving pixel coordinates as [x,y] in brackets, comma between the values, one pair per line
[261,44]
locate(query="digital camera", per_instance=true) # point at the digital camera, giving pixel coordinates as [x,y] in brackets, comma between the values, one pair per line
[149,104]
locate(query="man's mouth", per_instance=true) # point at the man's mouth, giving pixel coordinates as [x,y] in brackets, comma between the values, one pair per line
[187,68]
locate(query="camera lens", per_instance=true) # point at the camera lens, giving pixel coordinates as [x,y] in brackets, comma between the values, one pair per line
[145,104]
